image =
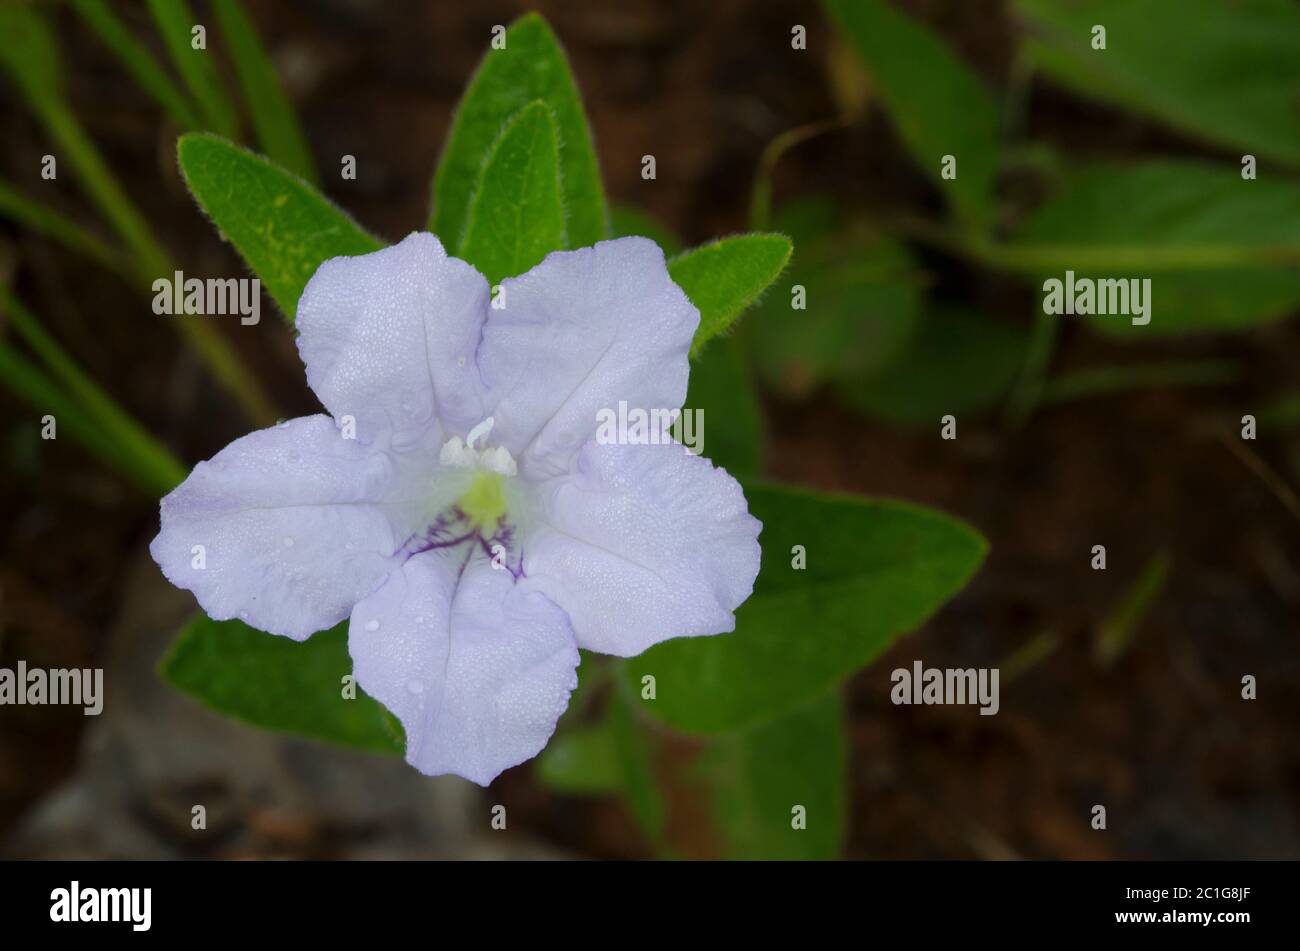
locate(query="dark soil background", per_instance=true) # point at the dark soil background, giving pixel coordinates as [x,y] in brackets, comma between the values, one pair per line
[1186,768]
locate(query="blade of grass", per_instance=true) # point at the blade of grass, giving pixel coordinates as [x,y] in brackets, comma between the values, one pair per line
[274,120]
[175,21]
[45,221]
[149,76]
[1117,630]
[31,57]
[134,449]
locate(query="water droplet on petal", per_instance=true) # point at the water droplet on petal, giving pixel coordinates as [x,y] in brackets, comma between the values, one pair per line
[415,686]
[420,619]
[372,625]
[288,541]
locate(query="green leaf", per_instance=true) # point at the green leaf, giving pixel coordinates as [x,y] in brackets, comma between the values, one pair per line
[875,570]
[627,222]
[1228,73]
[757,777]
[1221,252]
[516,216]
[634,749]
[723,394]
[861,297]
[149,76]
[531,67]
[175,21]
[937,104]
[282,226]
[274,120]
[959,361]
[279,684]
[724,277]
[582,761]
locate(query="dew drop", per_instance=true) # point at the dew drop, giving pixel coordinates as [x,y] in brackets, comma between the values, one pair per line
[415,686]
[288,541]
[372,625]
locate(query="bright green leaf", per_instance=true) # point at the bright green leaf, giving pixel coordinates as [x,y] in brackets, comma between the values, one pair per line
[1221,252]
[759,777]
[282,226]
[874,571]
[274,120]
[724,277]
[516,216]
[1228,73]
[279,684]
[938,106]
[531,67]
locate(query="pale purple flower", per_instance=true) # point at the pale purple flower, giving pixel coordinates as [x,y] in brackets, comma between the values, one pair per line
[474,530]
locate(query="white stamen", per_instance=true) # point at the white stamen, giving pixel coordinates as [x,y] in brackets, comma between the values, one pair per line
[463,455]
[480,431]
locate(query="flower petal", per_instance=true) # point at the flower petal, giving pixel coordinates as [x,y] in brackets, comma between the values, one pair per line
[579,332]
[389,339]
[296,524]
[642,543]
[476,666]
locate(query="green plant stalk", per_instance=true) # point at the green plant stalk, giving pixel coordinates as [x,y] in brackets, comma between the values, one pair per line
[148,75]
[1098,381]
[1042,259]
[151,261]
[150,463]
[44,220]
[760,201]
[274,121]
[1038,357]
[46,396]
[175,19]
[1038,259]
[1118,629]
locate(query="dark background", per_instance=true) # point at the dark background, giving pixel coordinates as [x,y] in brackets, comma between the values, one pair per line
[1185,767]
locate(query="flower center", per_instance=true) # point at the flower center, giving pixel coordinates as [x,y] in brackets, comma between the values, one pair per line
[484,503]
[484,494]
